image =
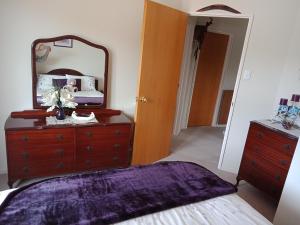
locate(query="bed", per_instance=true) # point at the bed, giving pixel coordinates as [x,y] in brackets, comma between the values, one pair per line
[167,203]
[87,86]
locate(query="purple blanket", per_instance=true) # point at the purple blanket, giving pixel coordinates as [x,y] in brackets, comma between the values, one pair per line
[113,195]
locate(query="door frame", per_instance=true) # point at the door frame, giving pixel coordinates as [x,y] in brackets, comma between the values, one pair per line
[181,120]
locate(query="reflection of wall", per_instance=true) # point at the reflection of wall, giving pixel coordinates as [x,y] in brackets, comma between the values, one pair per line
[81,57]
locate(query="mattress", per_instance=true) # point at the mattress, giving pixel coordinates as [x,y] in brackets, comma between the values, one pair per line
[224,210]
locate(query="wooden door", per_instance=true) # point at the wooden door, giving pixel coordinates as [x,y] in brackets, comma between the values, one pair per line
[208,77]
[162,49]
[225,107]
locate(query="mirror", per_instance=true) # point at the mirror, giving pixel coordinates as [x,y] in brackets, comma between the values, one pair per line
[73,63]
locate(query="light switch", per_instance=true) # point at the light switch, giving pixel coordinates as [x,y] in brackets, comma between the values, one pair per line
[247,74]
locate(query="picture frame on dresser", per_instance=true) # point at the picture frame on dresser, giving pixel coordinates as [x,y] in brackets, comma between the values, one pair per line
[37,149]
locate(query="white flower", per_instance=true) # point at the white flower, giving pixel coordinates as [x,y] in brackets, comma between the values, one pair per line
[52,97]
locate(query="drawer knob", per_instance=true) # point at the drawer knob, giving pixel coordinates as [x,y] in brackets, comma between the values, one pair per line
[60,152]
[259,135]
[89,148]
[256,149]
[117,145]
[253,162]
[287,147]
[117,132]
[25,155]
[60,137]
[277,177]
[60,165]
[283,162]
[25,138]
[25,169]
[89,134]
[115,158]
[88,162]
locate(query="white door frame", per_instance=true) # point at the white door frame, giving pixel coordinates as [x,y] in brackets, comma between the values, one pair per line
[217,13]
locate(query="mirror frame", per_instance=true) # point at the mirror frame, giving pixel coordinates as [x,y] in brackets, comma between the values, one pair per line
[35,104]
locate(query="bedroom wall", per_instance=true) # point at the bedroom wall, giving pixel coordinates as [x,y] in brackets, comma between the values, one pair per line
[288,212]
[115,24]
[273,23]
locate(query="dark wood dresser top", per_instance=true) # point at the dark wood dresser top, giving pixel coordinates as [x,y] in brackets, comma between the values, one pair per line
[39,122]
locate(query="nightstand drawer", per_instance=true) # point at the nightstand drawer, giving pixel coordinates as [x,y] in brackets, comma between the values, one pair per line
[268,153]
[271,138]
[262,170]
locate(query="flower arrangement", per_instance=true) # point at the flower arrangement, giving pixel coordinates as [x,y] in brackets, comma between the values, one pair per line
[59,98]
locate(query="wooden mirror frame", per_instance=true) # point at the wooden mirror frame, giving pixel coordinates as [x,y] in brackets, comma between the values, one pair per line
[36,105]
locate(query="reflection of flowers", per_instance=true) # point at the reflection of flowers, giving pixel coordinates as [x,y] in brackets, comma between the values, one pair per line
[58,97]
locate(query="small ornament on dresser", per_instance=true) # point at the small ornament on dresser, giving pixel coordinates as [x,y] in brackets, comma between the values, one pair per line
[59,98]
[288,114]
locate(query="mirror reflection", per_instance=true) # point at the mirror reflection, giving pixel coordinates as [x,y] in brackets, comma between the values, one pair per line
[72,65]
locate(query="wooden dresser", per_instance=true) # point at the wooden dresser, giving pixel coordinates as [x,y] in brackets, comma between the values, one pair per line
[35,149]
[267,156]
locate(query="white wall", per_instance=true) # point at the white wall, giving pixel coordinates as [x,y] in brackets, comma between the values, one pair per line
[272,28]
[116,24]
[288,212]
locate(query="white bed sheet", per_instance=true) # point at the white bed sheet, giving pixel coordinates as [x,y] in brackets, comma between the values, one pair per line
[224,210]
[78,93]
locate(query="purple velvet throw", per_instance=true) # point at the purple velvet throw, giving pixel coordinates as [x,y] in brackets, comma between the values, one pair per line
[112,196]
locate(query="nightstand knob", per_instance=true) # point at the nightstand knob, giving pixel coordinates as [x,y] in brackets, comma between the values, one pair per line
[277,177]
[259,135]
[283,162]
[287,147]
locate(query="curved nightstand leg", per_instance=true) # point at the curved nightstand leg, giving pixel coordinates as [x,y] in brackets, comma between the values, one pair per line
[237,183]
[10,184]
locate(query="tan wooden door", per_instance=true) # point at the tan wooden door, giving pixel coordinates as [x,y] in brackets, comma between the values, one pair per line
[208,77]
[225,107]
[162,49]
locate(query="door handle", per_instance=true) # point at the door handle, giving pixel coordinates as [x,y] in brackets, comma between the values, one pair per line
[142,99]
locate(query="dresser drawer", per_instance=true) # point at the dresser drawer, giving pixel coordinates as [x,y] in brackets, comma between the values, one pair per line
[119,145]
[100,133]
[276,141]
[40,168]
[262,170]
[99,163]
[259,150]
[39,153]
[40,137]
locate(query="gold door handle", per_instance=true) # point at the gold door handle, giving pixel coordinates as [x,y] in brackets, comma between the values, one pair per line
[142,99]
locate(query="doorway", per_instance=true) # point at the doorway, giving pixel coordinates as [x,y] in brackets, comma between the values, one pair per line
[209,82]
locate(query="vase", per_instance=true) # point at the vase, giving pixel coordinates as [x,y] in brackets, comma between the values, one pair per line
[60,113]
